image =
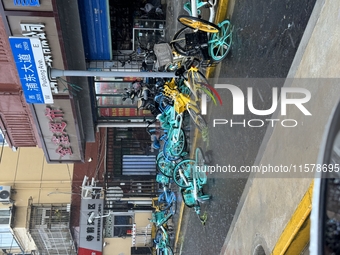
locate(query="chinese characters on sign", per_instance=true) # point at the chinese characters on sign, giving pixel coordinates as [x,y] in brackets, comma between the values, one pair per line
[38,31]
[32,71]
[123,112]
[26,2]
[91,232]
[57,126]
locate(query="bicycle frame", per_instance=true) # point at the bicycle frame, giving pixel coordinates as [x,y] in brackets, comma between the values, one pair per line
[193,8]
[162,241]
[160,217]
[169,197]
[194,178]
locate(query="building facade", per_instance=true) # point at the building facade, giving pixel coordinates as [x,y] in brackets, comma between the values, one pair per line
[35,204]
[87,127]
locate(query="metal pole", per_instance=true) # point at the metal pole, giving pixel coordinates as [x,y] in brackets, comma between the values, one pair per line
[54,73]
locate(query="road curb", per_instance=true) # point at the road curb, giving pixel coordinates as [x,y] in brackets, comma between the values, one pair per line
[295,235]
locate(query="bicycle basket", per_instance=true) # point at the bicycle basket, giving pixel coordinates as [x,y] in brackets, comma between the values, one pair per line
[163,53]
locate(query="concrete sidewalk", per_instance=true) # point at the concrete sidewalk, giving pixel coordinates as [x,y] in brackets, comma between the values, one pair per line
[272,210]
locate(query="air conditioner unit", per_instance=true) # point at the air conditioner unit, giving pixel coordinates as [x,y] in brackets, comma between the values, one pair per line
[5,193]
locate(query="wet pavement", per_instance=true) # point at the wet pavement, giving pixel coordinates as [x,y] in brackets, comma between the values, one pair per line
[265,39]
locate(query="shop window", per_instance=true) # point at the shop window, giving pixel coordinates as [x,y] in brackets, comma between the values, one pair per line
[122,225]
[109,94]
[119,225]
[5,216]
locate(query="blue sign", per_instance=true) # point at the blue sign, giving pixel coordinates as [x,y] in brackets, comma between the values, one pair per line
[26,2]
[31,67]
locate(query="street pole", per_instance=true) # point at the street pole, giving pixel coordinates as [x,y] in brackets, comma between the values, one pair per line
[55,73]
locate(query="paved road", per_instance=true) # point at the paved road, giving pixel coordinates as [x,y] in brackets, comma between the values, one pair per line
[266,37]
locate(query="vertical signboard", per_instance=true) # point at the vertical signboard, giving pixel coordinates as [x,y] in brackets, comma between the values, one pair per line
[91,242]
[29,59]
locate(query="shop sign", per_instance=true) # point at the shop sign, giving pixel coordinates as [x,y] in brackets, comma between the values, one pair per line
[57,126]
[123,112]
[38,31]
[90,239]
[32,71]
[26,2]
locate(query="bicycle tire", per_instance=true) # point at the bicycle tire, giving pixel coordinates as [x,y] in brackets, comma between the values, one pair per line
[167,153]
[199,156]
[205,90]
[168,251]
[198,119]
[165,205]
[164,166]
[197,77]
[197,23]
[176,149]
[178,179]
[200,162]
[220,43]
[173,207]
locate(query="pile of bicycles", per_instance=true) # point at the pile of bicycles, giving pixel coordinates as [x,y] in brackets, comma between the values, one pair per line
[176,101]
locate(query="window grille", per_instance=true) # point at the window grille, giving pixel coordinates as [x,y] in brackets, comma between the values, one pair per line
[49,227]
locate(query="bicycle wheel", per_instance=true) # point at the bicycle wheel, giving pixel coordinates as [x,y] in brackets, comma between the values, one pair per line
[176,148]
[198,119]
[168,251]
[167,153]
[199,157]
[200,82]
[168,202]
[219,44]
[182,173]
[173,207]
[202,167]
[165,166]
[197,23]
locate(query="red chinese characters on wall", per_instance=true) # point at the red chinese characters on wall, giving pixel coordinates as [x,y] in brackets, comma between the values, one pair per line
[57,126]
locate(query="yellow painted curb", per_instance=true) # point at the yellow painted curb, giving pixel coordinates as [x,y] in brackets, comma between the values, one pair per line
[179,224]
[221,11]
[295,236]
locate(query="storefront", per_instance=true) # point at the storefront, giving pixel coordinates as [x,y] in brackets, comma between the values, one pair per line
[65,125]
